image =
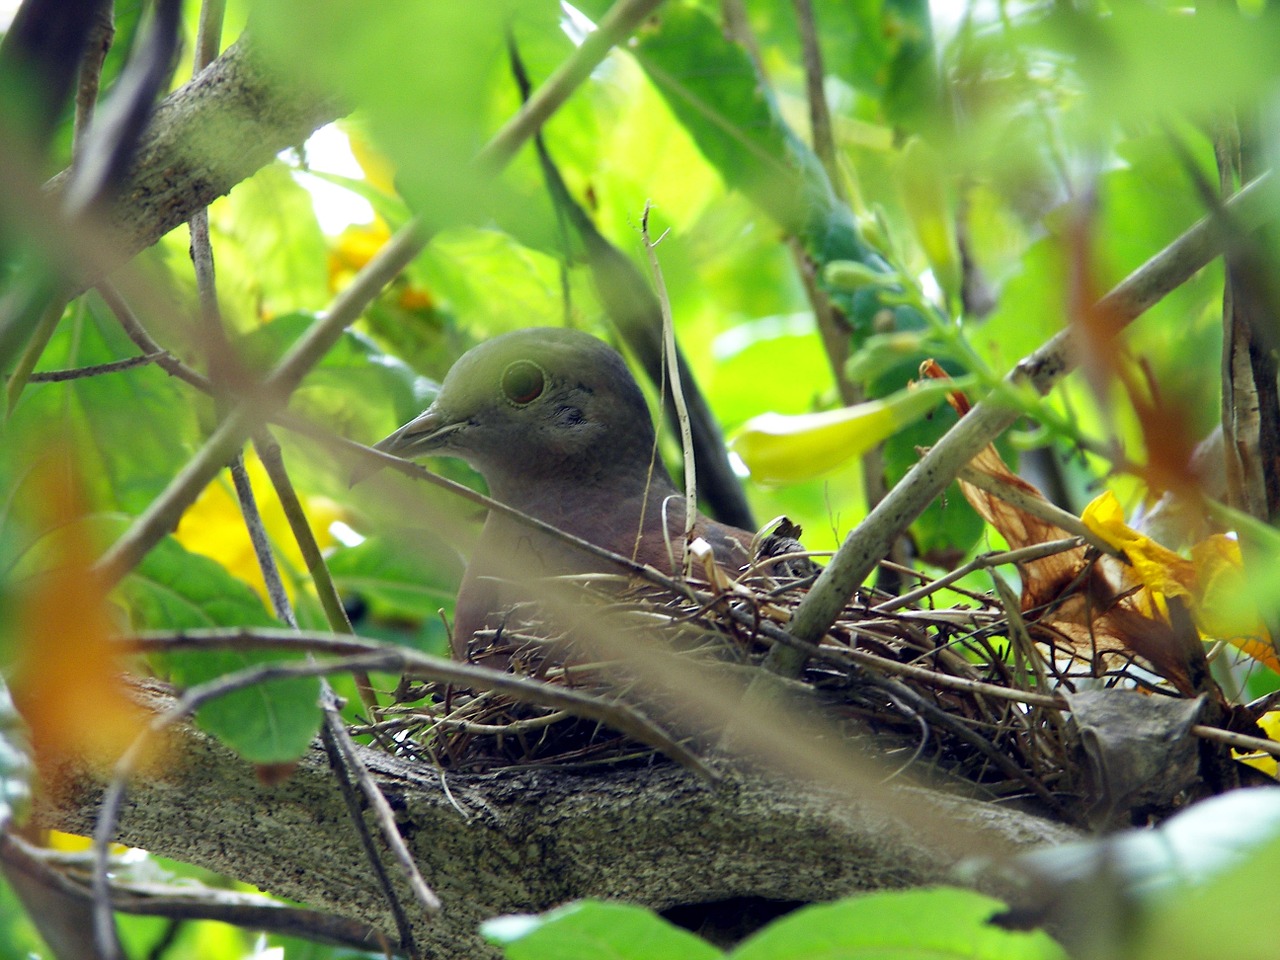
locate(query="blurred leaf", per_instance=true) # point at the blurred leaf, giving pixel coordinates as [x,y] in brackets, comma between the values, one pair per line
[357,388]
[923,185]
[176,590]
[129,428]
[1174,890]
[271,255]
[1147,62]
[937,923]
[433,112]
[593,929]
[58,616]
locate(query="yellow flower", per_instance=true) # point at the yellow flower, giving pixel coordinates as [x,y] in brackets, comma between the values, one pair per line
[784,449]
[356,246]
[214,527]
[1212,582]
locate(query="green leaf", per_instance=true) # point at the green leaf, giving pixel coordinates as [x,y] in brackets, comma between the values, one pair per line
[271,255]
[173,589]
[594,930]
[1235,842]
[713,89]
[930,924]
[129,429]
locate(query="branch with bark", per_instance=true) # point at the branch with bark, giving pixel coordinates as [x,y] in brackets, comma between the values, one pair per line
[528,839]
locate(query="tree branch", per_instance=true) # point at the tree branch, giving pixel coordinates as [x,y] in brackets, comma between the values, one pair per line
[528,839]
[218,129]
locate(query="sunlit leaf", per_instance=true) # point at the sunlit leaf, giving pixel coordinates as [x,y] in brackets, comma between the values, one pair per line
[943,922]
[591,929]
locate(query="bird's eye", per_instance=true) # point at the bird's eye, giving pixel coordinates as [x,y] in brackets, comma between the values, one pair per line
[523,382]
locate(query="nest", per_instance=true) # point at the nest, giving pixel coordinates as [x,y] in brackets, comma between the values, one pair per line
[970,694]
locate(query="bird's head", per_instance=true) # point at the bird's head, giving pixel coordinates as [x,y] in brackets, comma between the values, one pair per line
[533,406]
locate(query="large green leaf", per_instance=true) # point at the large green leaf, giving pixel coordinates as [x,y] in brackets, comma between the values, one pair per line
[173,589]
[713,89]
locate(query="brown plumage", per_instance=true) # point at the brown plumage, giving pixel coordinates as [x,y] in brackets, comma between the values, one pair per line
[555,423]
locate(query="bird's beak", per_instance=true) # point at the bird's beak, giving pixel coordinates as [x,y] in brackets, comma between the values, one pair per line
[423,434]
[420,435]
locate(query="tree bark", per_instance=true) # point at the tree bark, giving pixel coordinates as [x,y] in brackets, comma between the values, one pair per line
[229,121]
[530,839]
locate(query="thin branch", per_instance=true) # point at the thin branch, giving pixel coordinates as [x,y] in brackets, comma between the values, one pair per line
[1037,507]
[342,769]
[382,812]
[133,328]
[334,734]
[96,370]
[824,144]
[101,35]
[209,33]
[982,562]
[337,739]
[261,542]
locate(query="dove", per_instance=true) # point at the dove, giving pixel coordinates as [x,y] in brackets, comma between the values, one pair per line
[559,429]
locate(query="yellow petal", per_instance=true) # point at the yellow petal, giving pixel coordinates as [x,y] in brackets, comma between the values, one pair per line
[1213,580]
[1157,567]
[785,449]
[1224,607]
[1270,723]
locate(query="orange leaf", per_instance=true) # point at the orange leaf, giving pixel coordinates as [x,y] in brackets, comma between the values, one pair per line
[66,680]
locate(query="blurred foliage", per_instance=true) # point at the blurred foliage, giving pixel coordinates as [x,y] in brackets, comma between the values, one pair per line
[964,148]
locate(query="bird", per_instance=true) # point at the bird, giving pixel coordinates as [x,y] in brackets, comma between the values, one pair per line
[558,427]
